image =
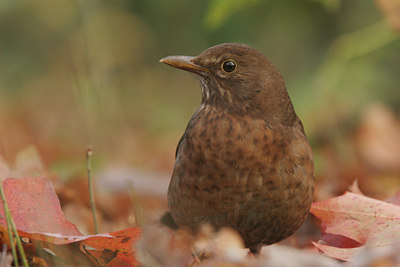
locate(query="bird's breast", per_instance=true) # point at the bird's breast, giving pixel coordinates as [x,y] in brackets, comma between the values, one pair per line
[237,171]
[238,149]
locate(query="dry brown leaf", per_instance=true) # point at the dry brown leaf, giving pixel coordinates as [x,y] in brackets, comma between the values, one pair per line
[378,138]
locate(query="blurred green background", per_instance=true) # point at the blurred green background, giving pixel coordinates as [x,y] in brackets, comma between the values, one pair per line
[74,73]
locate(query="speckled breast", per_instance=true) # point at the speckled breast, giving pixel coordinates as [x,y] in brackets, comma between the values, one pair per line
[244,173]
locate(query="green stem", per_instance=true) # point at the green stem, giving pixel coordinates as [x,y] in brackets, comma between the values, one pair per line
[90,182]
[9,230]
[19,243]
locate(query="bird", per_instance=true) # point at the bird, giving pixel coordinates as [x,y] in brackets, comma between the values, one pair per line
[244,161]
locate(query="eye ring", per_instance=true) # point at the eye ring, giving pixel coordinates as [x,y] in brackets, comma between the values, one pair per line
[228,65]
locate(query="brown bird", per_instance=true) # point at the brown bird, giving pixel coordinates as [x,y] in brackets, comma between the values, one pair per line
[244,160]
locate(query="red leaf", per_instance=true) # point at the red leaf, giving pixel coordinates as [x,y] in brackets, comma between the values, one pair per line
[117,248]
[339,241]
[35,207]
[37,214]
[360,219]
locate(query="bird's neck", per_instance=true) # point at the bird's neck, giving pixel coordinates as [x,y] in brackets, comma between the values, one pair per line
[278,107]
[275,106]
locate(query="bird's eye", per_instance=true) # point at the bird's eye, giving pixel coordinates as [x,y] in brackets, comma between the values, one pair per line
[228,65]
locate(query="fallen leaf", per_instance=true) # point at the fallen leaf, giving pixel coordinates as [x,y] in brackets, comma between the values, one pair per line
[5,170]
[378,138]
[354,188]
[278,255]
[115,249]
[40,221]
[359,220]
[29,162]
[345,254]
[35,207]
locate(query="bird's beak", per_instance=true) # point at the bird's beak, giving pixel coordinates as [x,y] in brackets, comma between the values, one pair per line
[184,63]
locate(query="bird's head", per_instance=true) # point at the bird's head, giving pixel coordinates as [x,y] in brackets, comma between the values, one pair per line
[238,78]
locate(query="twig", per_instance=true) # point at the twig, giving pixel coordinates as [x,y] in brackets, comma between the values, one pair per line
[139,218]
[91,195]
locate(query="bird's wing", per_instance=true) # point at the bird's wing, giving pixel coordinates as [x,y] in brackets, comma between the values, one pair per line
[179,144]
[190,125]
[298,164]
